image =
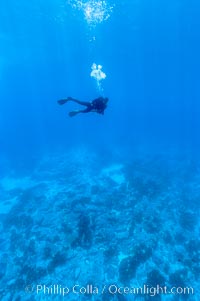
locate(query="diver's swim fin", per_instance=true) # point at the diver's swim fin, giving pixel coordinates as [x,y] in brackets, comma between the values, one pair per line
[73,113]
[62,101]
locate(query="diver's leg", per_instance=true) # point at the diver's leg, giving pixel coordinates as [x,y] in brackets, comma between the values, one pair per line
[73,113]
[63,101]
[83,103]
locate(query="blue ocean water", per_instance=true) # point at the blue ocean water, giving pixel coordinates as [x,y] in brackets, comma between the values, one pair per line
[99,201]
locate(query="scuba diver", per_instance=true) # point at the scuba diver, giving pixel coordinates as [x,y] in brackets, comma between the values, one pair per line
[98,105]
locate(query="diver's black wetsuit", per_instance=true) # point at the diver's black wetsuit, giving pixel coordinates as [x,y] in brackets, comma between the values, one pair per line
[98,105]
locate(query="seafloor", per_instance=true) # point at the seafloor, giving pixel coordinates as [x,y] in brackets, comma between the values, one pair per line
[83,219]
